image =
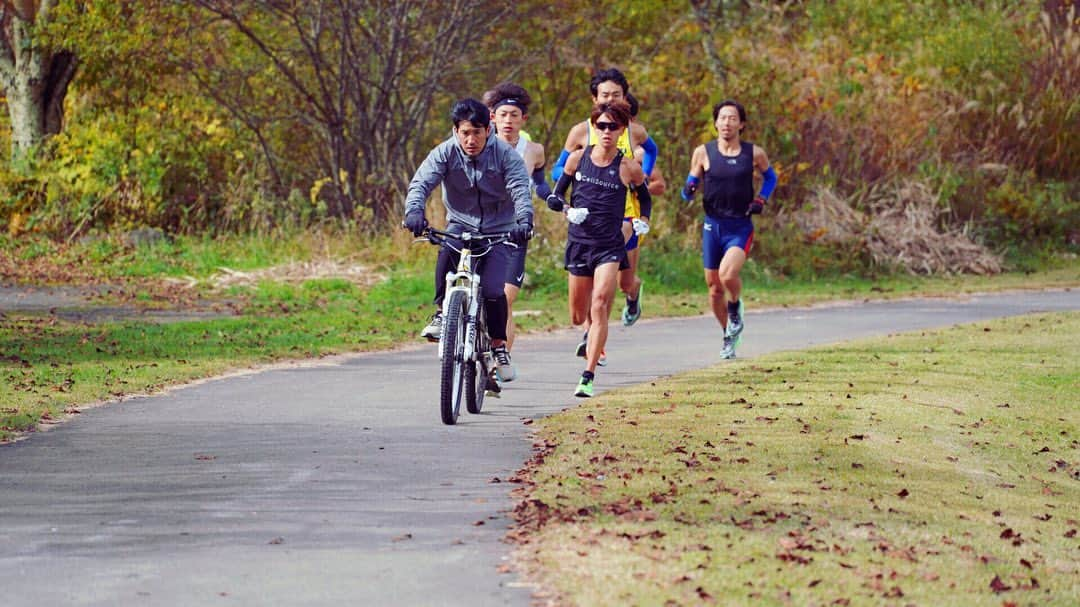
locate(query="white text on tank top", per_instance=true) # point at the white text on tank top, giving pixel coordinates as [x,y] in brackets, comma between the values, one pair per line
[601,190]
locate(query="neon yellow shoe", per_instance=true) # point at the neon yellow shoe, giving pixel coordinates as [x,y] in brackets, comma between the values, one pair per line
[584,388]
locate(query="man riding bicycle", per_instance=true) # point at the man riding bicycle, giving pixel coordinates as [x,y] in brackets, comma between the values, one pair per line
[485,190]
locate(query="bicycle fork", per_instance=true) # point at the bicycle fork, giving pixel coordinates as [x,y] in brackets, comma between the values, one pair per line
[463,279]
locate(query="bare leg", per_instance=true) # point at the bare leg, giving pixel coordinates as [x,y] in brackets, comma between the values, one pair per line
[604,280]
[730,267]
[716,296]
[629,281]
[511,296]
[580,292]
[724,283]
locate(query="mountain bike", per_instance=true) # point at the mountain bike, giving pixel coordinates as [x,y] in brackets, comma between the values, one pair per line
[467,368]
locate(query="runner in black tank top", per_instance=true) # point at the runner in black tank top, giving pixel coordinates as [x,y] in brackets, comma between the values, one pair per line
[727,166]
[595,249]
[601,190]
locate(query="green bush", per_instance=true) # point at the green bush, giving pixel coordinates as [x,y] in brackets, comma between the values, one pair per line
[1023,214]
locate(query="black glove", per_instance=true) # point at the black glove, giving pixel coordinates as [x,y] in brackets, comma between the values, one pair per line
[555,202]
[521,233]
[415,222]
[756,207]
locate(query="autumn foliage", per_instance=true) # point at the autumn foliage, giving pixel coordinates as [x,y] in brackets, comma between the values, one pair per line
[198,117]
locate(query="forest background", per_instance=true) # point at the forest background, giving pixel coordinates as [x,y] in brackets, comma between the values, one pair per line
[215,117]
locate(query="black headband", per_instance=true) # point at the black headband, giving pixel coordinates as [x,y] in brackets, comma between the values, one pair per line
[510,101]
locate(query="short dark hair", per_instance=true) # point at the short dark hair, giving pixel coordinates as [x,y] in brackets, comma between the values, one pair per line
[618,110]
[633,103]
[610,74]
[471,110]
[508,91]
[729,102]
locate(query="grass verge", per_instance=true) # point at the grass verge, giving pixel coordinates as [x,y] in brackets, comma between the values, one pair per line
[929,468]
[51,366]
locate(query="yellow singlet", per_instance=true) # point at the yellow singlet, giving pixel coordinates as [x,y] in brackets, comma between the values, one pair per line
[633,209]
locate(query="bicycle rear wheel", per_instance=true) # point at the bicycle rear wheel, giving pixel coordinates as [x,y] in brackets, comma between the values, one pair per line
[453,360]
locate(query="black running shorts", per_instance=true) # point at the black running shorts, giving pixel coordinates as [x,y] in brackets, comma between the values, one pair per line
[583,259]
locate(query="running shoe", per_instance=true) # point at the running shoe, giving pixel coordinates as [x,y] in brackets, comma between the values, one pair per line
[504,370]
[582,352]
[582,347]
[584,388]
[735,322]
[491,386]
[631,312]
[433,330]
[729,348]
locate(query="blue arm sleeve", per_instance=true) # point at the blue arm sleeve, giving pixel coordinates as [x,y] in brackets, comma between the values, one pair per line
[769,184]
[556,171]
[691,186]
[541,184]
[651,151]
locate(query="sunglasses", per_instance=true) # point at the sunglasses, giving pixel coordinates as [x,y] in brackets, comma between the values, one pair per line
[608,126]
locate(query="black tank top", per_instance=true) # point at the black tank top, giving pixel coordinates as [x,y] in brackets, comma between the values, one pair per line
[601,190]
[729,182]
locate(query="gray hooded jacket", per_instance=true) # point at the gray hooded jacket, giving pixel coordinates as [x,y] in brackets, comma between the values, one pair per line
[489,193]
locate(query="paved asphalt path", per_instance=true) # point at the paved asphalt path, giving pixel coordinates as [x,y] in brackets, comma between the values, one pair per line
[336,484]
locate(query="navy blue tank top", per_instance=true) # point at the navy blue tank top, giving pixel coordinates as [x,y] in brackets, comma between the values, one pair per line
[729,182]
[601,190]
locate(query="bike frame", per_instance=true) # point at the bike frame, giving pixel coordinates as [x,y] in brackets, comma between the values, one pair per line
[467,280]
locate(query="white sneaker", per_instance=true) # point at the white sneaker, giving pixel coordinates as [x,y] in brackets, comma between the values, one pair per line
[433,330]
[503,367]
[729,348]
[491,386]
[735,322]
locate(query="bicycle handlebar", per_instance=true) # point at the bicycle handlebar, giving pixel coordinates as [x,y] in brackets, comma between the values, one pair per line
[436,236]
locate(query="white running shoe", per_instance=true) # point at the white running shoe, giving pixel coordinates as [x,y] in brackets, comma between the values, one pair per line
[729,348]
[735,323]
[433,330]
[503,367]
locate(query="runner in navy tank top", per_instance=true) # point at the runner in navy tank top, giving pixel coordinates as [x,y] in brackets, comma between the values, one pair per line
[728,166]
[595,249]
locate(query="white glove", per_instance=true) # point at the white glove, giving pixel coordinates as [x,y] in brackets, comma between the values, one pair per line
[641,227]
[577,215]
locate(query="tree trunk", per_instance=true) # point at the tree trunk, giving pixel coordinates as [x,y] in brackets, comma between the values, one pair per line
[34,79]
[710,18]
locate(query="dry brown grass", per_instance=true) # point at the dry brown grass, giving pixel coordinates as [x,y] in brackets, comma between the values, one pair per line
[293,272]
[900,225]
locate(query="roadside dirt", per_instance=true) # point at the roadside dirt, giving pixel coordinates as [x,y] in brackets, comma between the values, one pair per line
[105,303]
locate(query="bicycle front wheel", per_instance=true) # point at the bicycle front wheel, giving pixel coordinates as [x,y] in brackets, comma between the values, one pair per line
[453,360]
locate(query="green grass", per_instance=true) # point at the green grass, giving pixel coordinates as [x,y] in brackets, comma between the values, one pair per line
[912,469]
